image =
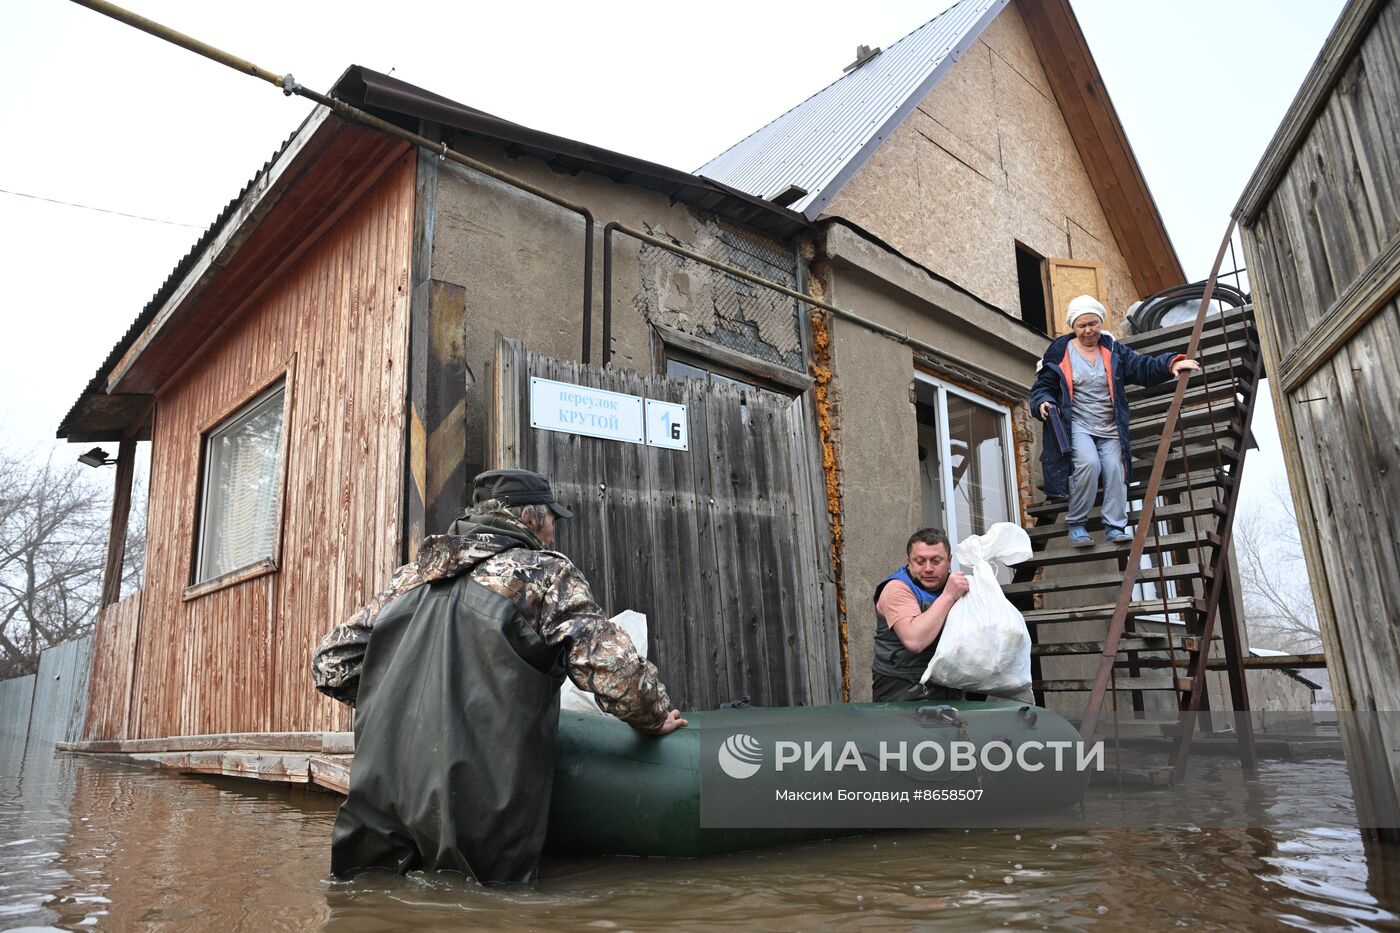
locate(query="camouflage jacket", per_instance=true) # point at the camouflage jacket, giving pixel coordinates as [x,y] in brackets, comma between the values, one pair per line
[551,595]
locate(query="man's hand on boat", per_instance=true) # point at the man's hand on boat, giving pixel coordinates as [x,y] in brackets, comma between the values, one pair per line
[672,723]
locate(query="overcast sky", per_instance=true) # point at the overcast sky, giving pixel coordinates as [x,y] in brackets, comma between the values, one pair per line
[95,113]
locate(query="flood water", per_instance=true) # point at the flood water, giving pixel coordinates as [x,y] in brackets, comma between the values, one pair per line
[93,844]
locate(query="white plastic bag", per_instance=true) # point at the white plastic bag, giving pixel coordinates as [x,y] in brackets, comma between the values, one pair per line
[984,647]
[574,700]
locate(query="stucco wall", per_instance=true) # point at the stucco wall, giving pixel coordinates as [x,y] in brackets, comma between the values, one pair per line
[520,261]
[876,429]
[986,159]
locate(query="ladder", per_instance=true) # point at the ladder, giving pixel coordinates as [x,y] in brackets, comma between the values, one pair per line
[1158,634]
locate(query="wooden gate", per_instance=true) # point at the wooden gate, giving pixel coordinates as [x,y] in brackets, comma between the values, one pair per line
[723,546]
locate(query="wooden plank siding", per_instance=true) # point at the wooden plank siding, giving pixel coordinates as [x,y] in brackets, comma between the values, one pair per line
[237,659]
[1334,210]
[109,684]
[1321,229]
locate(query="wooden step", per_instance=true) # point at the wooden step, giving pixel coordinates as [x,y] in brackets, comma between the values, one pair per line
[1200,480]
[1057,529]
[1063,553]
[1216,375]
[1207,456]
[1103,612]
[1178,336]
[1097,580]
[1222,398]
[1207,433]
[1198,416]
[1122,684]
[1183,659]
[1126,643]
[1238,348]
[1132,641]
[1217,345]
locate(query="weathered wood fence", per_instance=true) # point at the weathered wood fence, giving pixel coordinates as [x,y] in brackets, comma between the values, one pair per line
[723,546]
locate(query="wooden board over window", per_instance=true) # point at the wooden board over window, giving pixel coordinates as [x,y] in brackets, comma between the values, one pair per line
[1070,278]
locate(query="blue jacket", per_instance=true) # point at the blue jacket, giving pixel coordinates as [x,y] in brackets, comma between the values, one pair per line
[1054,384]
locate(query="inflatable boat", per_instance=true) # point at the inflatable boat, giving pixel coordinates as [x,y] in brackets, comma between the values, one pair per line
[713,787]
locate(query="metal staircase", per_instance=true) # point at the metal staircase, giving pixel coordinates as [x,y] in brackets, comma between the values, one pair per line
[1173,584]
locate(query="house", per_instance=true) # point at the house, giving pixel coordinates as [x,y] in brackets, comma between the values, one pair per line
[383,310]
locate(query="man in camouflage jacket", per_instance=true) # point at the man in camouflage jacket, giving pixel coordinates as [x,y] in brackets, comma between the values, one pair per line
[482,722]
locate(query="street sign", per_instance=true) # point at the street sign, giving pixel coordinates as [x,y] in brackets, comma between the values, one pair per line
[667,425]
[575,409]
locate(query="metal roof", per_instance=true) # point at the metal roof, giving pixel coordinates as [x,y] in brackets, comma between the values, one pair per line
[819,144]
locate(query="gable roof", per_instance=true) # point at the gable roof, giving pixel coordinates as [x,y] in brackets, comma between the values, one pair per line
[823,141]
[820,144]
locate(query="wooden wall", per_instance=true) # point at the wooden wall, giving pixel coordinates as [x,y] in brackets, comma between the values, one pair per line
[1321,222]
[113,654]
[721,545]
[237,659]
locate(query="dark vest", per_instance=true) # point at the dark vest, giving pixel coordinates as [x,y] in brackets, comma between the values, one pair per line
[892,659]
[454,739]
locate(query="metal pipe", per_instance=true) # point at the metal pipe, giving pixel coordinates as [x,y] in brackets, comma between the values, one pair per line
[607,290]
[289,86]
[898,336]
[183,41]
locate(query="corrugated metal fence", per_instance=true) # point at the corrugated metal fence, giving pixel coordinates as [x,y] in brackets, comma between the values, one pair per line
[50,706]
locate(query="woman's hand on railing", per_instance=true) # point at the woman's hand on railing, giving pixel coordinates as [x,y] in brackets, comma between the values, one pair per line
[1187,366]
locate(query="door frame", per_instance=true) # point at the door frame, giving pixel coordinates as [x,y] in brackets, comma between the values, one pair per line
[942,389]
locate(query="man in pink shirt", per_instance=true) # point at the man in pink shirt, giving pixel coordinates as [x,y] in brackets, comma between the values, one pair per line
[911,606]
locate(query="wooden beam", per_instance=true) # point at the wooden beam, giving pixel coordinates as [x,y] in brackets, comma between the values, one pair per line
[116,535]
[329,743]
[1273,663]
[1367,295]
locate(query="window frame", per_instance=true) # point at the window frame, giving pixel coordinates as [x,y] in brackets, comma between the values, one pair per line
[942,390]
[669,343]
[283,379]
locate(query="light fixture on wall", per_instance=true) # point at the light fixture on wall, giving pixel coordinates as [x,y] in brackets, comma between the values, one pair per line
[96,457]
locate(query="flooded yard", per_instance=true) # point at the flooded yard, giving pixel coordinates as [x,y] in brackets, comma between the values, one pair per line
[92,844]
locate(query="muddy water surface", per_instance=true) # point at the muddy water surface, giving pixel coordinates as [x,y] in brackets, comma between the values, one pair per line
[92,844]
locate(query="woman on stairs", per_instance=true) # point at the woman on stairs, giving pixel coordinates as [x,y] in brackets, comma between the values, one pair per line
[1079,392]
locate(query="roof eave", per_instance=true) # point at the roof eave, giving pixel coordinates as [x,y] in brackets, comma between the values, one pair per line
[1103,146]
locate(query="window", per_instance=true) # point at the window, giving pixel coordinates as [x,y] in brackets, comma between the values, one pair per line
[240,489]
[682,369]
[1030,277]
[966,466]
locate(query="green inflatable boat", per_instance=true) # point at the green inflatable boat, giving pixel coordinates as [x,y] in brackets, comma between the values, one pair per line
[749,778]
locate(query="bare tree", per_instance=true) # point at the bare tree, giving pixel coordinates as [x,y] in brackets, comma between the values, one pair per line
[53,544]
[1278,600]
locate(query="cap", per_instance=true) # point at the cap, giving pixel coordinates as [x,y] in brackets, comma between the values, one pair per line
[1084,304]
[517,487]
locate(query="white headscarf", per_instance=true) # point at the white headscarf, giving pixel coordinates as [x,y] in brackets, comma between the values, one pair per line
[1084,304]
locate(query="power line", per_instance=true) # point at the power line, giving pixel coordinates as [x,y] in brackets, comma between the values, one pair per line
[103,210]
